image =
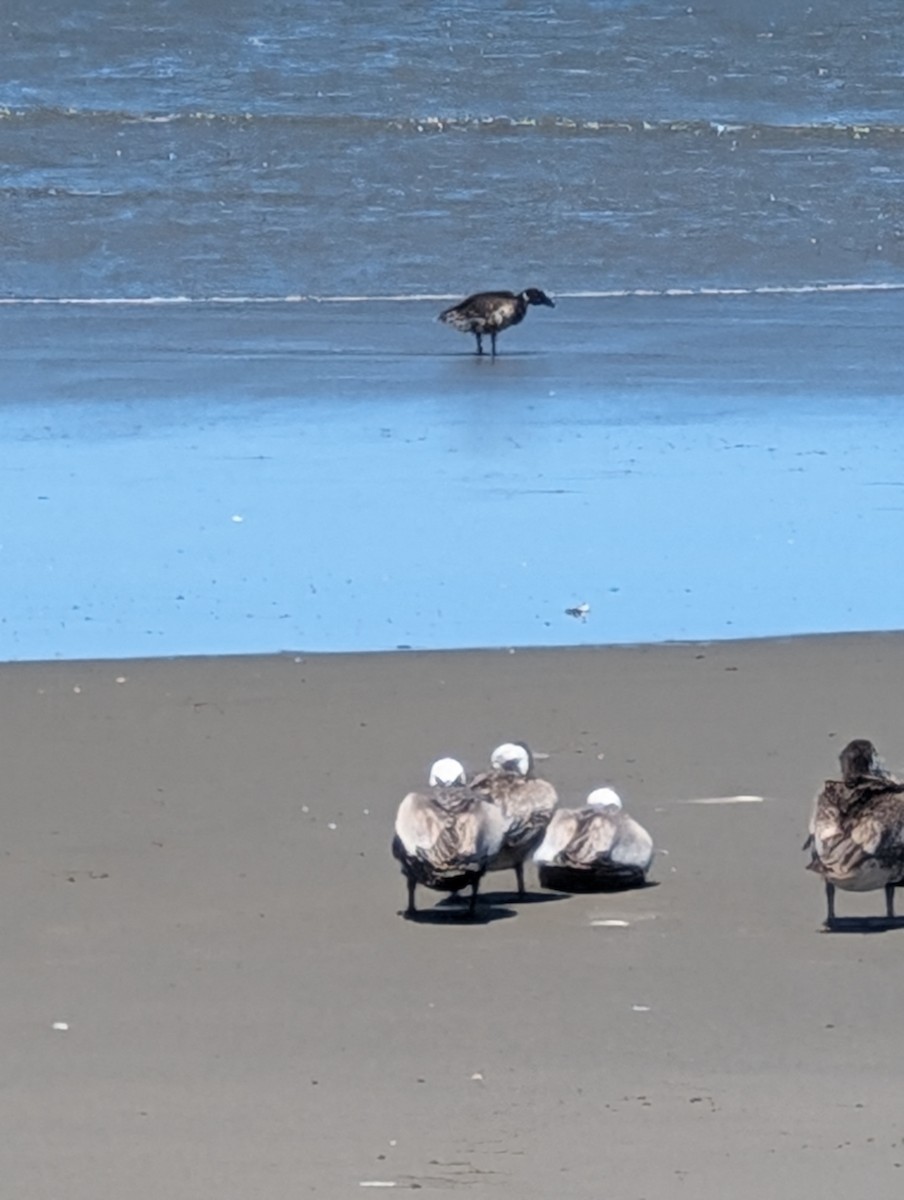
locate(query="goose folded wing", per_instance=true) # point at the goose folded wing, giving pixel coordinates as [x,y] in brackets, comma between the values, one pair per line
[559,833]
[593,840]
[889,820]
[470,840]
[418,823]
[632,846]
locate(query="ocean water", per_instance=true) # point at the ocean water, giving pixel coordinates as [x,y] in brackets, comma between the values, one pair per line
[230,422]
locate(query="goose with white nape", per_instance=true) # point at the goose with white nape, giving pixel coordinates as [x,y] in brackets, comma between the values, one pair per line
[526,801]
[488,313]
[594,848]
[857,829]
[445,839]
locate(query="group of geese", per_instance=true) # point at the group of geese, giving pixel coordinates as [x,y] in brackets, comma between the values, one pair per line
[448,837]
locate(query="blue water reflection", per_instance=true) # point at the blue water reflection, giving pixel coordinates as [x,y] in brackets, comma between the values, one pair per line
[181,483]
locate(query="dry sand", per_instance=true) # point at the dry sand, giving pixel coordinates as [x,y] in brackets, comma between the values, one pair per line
[196,878]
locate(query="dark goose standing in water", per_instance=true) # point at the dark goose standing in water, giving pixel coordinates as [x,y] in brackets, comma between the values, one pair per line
[446,839]
[491,312]
[526,802]
[595,848]
[857,829]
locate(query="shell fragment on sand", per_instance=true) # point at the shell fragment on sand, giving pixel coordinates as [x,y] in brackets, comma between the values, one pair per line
[726,800]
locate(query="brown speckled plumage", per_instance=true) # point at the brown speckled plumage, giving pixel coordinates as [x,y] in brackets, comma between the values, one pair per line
[594,848]
[857,829]
[488,313]
[445,839]
[527,804]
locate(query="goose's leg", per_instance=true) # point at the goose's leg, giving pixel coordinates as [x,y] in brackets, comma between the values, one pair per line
[830,903]
[411,910]
[472,903]
[493,341]
[519,875]
[479,342]
[890,901]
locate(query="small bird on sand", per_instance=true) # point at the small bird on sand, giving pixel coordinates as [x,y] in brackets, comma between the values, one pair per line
[446,839]
[526,802]
[857,829]
[491,312]
[595,848]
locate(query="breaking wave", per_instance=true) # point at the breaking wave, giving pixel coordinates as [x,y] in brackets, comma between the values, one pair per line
[802,289]
[464,123]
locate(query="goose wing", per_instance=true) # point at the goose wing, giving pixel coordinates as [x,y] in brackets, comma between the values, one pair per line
[856,829]
[825,819]
[471,835]
[881,830]
[561,829]
[593,839]
[418,822]
[463,835]
[597,838]
[484,311]
[633,846]
[482,304]
[869,813]
[527,804]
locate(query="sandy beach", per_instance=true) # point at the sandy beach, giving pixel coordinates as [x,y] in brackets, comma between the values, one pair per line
[197,884]
[255,503]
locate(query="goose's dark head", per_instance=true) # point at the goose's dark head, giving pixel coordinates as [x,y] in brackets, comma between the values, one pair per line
[535,296]
[859,758]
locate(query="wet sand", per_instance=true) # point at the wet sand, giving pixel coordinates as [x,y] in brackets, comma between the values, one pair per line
[196,879]
[323,475]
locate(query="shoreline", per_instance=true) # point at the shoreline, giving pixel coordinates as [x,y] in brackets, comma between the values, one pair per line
[299,655]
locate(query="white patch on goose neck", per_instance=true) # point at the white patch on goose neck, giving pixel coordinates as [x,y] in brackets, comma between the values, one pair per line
[877,764]
[605,797]
[510,757]
[446,771]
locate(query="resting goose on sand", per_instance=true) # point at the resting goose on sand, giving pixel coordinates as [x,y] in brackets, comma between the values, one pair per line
[595,848]
[526,802]
[857,829]
[446,839]
[491,312]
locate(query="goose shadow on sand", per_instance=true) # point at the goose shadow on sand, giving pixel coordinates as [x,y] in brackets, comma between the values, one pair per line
[452,913]
[863,925]
[574,882]
[527,899]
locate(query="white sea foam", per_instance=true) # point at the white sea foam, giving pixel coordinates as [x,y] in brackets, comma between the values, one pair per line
[778,289]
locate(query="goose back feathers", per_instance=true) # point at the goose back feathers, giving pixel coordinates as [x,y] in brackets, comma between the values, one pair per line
[445,838]
[857,828]
[596,847]
[526,802]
